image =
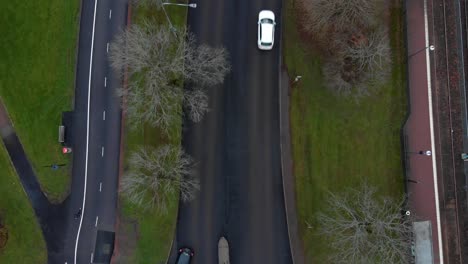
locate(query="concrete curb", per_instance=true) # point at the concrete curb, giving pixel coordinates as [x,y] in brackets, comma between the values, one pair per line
[295,243]
[115,253]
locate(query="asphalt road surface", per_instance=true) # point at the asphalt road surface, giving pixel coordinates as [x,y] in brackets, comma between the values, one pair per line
[236,146]
[96,131]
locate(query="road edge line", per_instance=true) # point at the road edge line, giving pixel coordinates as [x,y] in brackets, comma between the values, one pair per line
[115,251]
[87,132]
[431,125]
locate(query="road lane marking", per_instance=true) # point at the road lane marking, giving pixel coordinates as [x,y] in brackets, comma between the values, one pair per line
[102,151]
[107,49]
[431,124]
[100,186]
[104,115]
[92,257]
[87,132]
[110,13]
[105,81]
[97,218]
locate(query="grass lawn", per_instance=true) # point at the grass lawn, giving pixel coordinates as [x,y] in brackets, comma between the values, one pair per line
[37,70]
[25,243]
[337,142]
[155,230]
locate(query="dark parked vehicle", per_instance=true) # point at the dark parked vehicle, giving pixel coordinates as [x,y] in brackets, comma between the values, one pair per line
[185,255]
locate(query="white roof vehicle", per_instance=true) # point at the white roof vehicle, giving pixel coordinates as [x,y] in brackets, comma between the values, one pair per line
[266,30]
[223,251]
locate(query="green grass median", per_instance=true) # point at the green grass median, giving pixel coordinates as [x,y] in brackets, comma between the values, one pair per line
[37,72]
[25,243]
[337,142]
[148,234]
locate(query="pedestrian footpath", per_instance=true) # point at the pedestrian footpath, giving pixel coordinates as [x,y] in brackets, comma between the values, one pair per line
[50,216]
[419,153]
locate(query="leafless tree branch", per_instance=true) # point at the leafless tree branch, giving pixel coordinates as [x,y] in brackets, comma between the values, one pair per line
[196,103]
[155,174]
[365,229]
[338,15]
[158,62]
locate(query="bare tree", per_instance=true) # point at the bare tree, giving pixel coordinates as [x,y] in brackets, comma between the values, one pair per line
[196,103]
[362,228]
[205,65]
[355,50]
[154,58]
[359,64]
[337,15]
[157,173]
[158,62]
[372,54]
[149,50]
[157,106]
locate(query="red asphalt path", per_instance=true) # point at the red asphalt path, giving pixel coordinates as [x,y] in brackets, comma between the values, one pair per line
[423,200]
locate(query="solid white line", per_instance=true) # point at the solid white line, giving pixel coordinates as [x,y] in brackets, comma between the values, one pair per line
[100,186]
[103,115]
[107,49]
[97,218]
[87,134]
[102,151]
[105,81]
[110,13]
[431,123]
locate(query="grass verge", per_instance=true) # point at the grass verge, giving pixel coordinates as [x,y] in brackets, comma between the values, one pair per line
[37,72]
[25,242]
[154,230]
[337,142]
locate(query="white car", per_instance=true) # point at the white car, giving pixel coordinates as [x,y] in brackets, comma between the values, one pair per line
[266,30]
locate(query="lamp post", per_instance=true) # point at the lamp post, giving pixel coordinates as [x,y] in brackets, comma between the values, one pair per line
[173,29]
[430,47]
[421,152]
[192,5]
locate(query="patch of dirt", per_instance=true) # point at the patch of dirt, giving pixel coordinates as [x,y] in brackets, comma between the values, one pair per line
[126,240]
[3,234]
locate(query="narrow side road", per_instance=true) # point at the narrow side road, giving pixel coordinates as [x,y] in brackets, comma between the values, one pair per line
[96,129]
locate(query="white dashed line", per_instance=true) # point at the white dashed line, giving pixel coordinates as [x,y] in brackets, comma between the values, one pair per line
[92,257]
[100,186]
[105,81]
[110,13]
[102,151]
[97,218]
[103,115]
[107,49]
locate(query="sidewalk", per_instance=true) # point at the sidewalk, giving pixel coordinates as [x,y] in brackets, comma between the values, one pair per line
[49,216]
[418,131]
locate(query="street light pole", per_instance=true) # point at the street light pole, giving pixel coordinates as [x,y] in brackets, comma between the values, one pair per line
[421,152]
[173,29]
[192,5]
[431,48]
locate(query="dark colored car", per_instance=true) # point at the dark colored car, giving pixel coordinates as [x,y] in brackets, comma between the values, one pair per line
[185,255]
